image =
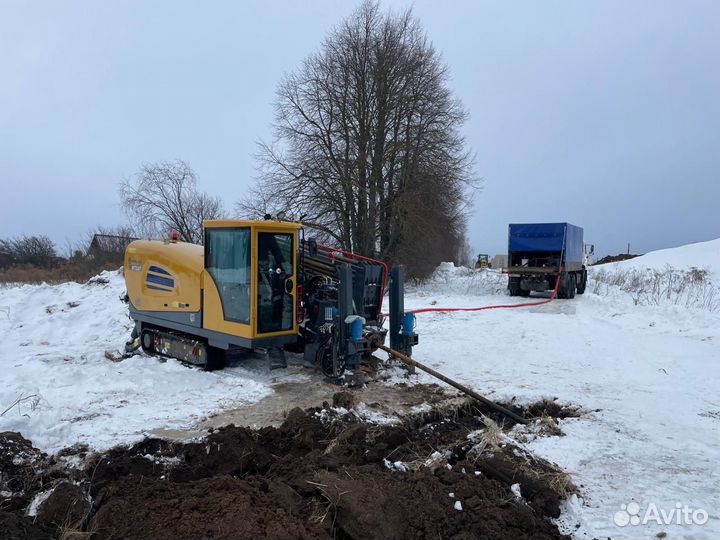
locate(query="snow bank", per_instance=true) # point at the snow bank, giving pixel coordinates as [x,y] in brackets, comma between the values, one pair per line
[701,255]
[448,278]
[64,390]
[688,276]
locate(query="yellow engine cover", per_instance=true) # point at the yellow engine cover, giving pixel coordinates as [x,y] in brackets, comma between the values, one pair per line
[164,276]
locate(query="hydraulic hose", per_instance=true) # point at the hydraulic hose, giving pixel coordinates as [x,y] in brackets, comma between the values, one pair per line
[499,306]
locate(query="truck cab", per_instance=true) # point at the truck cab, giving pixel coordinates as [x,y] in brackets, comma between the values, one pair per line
[482,261]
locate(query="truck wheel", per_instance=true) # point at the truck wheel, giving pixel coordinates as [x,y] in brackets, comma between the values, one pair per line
[583,282]
[562,291]
[572,286]
[523,293]
[514,286]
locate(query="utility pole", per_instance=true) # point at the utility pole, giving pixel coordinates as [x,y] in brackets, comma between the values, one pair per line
[628,248]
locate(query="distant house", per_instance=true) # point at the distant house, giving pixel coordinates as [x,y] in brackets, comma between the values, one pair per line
[108,247]
[499,261]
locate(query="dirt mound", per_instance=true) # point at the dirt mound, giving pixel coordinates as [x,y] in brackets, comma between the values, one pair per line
[549,408]
[321,474]
[15,526]
[221,506]
[21,476]
[615,258]
[365,502]
[67,507]
[19,461]
[344,399]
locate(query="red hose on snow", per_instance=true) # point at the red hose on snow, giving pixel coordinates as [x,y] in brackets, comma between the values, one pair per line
[500,306]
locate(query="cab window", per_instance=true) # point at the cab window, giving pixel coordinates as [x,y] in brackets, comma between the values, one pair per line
[275,282]
[227,259]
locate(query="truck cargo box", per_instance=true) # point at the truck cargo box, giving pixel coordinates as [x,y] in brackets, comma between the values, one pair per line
[548,238]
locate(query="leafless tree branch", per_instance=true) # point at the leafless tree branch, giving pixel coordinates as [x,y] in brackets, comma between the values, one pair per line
[367,144]
[163,197]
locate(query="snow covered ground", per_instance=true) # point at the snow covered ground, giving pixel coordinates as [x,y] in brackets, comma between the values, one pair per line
[702,255]
[687,276]
[52,344]
[649,373]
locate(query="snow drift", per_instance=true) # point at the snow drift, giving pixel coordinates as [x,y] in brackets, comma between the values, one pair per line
[688,276]
[701,255]
[59,389]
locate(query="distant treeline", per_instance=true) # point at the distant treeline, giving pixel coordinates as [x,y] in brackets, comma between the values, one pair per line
[36,258]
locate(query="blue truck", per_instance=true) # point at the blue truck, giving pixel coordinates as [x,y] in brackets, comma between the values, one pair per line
[540,252]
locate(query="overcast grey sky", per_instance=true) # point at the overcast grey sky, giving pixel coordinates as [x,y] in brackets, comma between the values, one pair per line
[604,114]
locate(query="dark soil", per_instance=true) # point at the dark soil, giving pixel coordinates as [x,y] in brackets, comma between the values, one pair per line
[319,475]
[615,258]
[22,474]
[344,399]
[18,460]
[547,408]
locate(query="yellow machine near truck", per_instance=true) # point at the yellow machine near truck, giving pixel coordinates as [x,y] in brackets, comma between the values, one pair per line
[258,284]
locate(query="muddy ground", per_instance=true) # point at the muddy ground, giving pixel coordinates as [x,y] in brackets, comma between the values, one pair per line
[323,473]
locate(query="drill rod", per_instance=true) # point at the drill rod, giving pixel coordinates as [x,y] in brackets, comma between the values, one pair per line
[464,389]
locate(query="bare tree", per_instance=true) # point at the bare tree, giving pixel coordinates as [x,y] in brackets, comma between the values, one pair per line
[73,250]
[6,254]
[163,197]
[34,250]
[368,145]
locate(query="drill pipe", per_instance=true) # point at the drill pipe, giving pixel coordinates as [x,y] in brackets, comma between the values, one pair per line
[499,408]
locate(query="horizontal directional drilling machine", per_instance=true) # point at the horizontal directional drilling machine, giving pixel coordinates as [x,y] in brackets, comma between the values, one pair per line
[262,285]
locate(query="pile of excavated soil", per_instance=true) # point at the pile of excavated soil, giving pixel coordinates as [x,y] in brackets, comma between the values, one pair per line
[615,258]
[320,474]
[24,472]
